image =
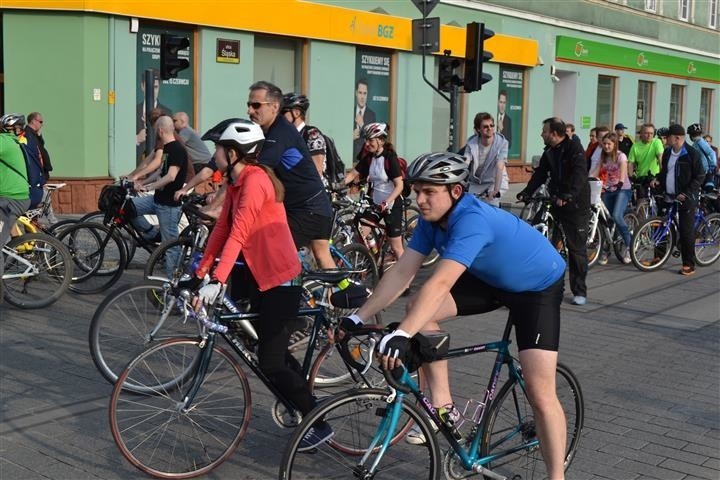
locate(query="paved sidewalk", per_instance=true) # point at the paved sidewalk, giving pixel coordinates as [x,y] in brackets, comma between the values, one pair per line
[646,350]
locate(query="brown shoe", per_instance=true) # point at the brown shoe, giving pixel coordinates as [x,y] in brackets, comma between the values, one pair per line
[687,270]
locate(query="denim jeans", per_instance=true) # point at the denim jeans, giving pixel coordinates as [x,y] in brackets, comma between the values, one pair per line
[168,218]
[616,203]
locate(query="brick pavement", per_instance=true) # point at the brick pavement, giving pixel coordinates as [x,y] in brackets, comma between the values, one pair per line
[645,350]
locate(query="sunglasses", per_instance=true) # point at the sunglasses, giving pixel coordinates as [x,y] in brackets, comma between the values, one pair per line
[488,126]
[257,105]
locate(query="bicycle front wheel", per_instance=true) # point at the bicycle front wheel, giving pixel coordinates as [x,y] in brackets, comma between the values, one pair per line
[652,245]
[510,431]
[707,240]
[38,273]
[595,242]
[355,417]
[131,319]
[183,248]
[162,436]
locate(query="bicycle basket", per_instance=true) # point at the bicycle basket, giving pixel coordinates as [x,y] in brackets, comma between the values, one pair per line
[595,191]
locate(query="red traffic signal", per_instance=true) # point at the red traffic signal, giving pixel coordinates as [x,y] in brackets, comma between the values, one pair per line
[170,64]
[475,56]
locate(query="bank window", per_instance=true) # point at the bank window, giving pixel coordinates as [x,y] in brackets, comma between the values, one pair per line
[278,60]
[677,93]
[684,10]
[651,6]
[645,97]
[605,101]
[713,13]
[706,102]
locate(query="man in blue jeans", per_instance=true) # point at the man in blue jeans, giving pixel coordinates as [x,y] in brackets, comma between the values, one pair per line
[172,167]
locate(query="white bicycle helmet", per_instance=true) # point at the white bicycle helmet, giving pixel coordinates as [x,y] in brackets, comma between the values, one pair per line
[442,168]
[244,135]
[375,130]
[10,120]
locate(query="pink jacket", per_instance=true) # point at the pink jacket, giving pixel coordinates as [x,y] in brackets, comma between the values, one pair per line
[253,223]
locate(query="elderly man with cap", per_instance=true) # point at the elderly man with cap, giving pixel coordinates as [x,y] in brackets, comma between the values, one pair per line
[625,143]
[681,176]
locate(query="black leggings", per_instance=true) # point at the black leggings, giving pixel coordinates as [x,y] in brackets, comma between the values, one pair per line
[278,309]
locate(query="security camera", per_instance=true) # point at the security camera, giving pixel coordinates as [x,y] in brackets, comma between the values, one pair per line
[554,78]
[552,70]
[540,61]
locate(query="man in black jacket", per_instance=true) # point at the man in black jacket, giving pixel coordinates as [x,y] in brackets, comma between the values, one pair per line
[681,176]
[564,162]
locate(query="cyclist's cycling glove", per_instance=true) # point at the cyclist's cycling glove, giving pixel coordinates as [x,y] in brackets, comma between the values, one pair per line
[395,345]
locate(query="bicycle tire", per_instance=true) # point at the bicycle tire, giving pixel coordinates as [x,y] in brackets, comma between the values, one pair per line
[595,244]
[354,417]
[707,240]
[54,266]
[165,441]
[361,260]
[99,256]
[121,325]
[408,230]
[57,227]
[651,245]
[510,425]
[155,266]
[329,374]
[128,241]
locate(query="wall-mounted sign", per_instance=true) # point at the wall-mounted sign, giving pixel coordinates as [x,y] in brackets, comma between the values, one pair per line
[227,51]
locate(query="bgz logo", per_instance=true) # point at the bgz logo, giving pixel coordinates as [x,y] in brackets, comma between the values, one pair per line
[385,31]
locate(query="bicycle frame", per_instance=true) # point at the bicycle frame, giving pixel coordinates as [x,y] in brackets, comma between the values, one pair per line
[30,269]
[469,457]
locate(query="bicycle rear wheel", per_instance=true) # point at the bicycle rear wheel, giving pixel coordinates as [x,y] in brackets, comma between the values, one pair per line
[164,440]
[99,256]
[354,417]
[652,245]
[707,240]
[131,319]
[358,258]
[595,243]
[510,429]
[128,241]
[40,274]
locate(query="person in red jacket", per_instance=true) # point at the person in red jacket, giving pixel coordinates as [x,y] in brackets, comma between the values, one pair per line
[253,224]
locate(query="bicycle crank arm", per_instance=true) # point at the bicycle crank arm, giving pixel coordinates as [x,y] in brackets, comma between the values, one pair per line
[489,473]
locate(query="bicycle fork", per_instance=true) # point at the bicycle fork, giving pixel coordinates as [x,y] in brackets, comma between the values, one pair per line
[206,347]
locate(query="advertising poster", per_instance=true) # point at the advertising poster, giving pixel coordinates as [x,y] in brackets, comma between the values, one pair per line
[173,95]
[509,119]
[372,92]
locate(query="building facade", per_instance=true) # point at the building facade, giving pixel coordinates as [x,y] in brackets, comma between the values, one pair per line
[591,62]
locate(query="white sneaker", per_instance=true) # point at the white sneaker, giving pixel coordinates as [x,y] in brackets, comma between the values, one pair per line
[626,256]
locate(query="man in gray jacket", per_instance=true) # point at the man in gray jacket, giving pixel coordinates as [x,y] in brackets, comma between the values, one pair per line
[486,153]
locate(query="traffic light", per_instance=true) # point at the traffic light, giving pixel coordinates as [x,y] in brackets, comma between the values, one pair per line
[170,64]
[446,73]
[475,56]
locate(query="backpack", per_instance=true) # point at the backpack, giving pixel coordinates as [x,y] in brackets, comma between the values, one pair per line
[34,175]
[403,170]
[334,166]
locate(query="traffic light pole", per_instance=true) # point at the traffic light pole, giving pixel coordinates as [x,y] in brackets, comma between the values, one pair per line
[149,105]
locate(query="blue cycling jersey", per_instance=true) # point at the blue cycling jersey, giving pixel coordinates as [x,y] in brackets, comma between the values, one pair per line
[495,246]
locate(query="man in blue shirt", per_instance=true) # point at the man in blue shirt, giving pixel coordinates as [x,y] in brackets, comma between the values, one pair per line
[488,258]
[707,154]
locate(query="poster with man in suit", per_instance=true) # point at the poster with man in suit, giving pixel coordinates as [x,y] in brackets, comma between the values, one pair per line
[511,97]
[372,93]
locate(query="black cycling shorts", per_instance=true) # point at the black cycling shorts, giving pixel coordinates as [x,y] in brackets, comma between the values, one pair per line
[535,315]
[393,219]
[306,227]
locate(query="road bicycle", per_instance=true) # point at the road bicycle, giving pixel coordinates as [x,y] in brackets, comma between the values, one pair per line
[495,437]
[38,270]
[656,239]
[180,408]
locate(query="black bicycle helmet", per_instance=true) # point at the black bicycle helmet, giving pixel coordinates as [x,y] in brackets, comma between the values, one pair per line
[662,132]
[375,130]
[442,168]
[695,130]
[10,120]
[295,100]
[246,136]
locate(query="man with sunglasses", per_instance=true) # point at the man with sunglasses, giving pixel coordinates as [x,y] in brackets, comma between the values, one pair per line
[486,153]
[307,205]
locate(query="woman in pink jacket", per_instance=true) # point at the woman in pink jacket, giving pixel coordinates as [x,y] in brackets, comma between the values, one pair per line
[252,224]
